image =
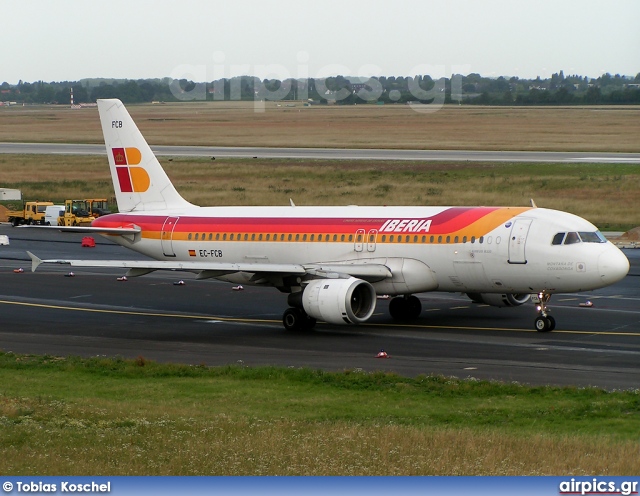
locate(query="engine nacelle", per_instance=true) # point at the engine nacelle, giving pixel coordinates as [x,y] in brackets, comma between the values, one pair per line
[339,301]
[500,299]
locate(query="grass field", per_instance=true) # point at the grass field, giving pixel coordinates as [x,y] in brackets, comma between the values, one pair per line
[606,194]
[115,417]
[607,129]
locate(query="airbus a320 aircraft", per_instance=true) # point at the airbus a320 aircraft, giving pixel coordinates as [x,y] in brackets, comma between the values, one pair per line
[333,261]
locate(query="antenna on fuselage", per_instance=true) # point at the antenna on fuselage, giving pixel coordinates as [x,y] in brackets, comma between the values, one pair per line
[533,204]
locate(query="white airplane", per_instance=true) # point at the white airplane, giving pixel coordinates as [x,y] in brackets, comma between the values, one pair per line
[333,261]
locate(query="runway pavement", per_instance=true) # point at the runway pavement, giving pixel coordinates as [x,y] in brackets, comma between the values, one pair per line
[335,153]
[206,322]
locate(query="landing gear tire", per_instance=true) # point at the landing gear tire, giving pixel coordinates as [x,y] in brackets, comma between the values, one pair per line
[545,324]
[295,319]
[552,323]
[405,308]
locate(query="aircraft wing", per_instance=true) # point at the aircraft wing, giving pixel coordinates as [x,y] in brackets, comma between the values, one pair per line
[374,272]
[94,230]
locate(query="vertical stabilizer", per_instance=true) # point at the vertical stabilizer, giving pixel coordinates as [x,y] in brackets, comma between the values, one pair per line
[139,181]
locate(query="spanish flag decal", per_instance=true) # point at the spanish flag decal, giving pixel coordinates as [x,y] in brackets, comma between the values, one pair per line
[130,179]
[192,253]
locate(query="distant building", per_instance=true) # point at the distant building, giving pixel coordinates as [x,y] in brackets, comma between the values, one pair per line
[10,194]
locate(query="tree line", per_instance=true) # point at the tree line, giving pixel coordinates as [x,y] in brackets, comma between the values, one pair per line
[470,89]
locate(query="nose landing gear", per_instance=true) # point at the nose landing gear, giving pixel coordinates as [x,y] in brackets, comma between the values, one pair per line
[544,322]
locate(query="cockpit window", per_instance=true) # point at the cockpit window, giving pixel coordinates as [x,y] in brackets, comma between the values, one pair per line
[592,237]
[571,238]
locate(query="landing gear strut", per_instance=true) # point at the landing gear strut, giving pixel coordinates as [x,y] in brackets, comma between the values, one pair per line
[544,322]
[296,319]
[405,307]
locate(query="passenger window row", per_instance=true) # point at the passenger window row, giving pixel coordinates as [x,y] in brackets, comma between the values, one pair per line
[371,238]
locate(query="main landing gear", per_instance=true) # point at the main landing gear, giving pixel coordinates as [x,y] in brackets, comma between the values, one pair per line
[406,307]
[296,319]
[544,322]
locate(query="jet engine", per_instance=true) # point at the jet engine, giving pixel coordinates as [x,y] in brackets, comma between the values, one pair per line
[500,299]
[339,301]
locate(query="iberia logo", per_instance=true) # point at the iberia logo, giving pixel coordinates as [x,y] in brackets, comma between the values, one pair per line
[131,179]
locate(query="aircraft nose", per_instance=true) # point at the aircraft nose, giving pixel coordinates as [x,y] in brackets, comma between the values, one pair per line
[613,265]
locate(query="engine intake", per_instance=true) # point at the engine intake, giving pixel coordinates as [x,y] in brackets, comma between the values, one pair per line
[500,299]
[339,301]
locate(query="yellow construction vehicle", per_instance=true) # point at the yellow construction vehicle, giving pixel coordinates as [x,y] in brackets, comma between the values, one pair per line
[98,207]
[76,212]
[32,212]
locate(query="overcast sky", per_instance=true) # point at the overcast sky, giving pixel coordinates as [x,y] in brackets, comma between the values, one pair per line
[206,40]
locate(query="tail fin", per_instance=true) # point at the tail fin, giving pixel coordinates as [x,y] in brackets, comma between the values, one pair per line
[139,181]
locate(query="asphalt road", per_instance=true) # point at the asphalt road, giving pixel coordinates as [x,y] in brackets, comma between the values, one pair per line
[206,322]
[335,153]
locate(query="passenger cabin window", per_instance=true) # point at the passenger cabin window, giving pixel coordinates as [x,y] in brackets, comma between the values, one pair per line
[557,239]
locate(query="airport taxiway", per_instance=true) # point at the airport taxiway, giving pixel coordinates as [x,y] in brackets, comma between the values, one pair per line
[335,153]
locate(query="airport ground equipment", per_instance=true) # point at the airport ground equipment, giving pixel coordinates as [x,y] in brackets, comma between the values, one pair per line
[32,212]
[76,213]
